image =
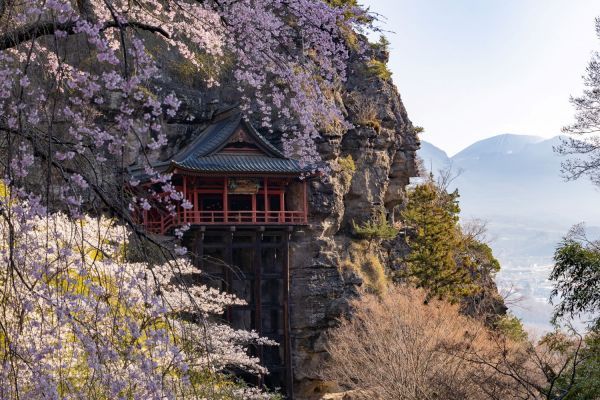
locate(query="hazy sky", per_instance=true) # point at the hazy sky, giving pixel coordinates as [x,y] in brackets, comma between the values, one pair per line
[470,69]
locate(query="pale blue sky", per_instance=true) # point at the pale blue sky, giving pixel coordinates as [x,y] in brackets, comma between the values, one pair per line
[470,69]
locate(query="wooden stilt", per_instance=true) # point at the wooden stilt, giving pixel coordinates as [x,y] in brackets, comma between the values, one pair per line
[289,378]
[257,293]
[228,267]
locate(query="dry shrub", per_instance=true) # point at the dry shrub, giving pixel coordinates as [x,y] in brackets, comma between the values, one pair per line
[347,167]
[397,347]
[380,69]
[347,164]
[364,110]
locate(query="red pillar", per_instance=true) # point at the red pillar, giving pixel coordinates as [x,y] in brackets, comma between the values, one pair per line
[282,207]
[225,200]
[185,196]
[254,208]
[305,201]
[266,189]
[195,199]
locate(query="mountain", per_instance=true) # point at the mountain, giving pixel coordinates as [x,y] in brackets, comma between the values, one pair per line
[516,176]
[507,143]
[434,158]
[514,183]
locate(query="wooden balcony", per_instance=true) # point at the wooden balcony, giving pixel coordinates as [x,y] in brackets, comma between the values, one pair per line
[229,201]
[162,225]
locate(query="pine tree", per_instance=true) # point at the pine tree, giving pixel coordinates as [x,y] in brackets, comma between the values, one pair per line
[439,260]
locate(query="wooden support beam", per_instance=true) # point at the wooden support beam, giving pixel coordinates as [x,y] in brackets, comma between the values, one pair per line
[257,293]
[198,250]
[228,267]
[197,205]
[289,378]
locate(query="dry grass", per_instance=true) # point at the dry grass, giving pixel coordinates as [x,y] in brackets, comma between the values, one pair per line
[364,110]
[347,164]
[379,69]
[347,167]
[368,267]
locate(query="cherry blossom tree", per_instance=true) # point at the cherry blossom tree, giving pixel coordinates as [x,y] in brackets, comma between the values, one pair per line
[81,321]
[78,81]
[81,98]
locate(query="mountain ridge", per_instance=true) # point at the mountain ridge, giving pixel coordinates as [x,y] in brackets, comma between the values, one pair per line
[506,142]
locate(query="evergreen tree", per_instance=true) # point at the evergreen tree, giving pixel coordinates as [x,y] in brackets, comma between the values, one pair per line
[438,260]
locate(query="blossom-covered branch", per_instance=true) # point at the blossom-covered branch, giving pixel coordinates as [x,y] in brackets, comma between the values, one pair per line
[83,321]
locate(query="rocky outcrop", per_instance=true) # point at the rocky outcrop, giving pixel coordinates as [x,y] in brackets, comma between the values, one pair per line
[382,145]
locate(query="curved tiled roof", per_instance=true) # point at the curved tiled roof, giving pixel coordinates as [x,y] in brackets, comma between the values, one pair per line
[203,153]
[245,163]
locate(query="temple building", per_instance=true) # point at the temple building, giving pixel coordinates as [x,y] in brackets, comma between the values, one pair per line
[247,198]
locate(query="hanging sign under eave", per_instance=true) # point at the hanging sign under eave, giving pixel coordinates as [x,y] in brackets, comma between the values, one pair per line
[243,186]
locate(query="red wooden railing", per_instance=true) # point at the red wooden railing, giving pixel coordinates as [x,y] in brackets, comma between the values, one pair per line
[165,223]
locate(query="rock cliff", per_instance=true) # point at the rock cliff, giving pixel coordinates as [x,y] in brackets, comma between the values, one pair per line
[382,146]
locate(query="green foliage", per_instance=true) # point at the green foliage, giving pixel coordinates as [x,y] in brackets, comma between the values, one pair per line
[586,384]
[418,129]
[379,69]
[352,39]
[349,5]
[511,327]
[222,387]
[383,44]
[212,68]
[347,164]
[347,167]
[479,257]
[576,275]
[444,261]
[376,228]
[579,377]
[342,3]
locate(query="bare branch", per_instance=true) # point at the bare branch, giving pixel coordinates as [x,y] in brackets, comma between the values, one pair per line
[30,32]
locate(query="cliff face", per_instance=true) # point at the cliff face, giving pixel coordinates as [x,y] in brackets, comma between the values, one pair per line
[382,145]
